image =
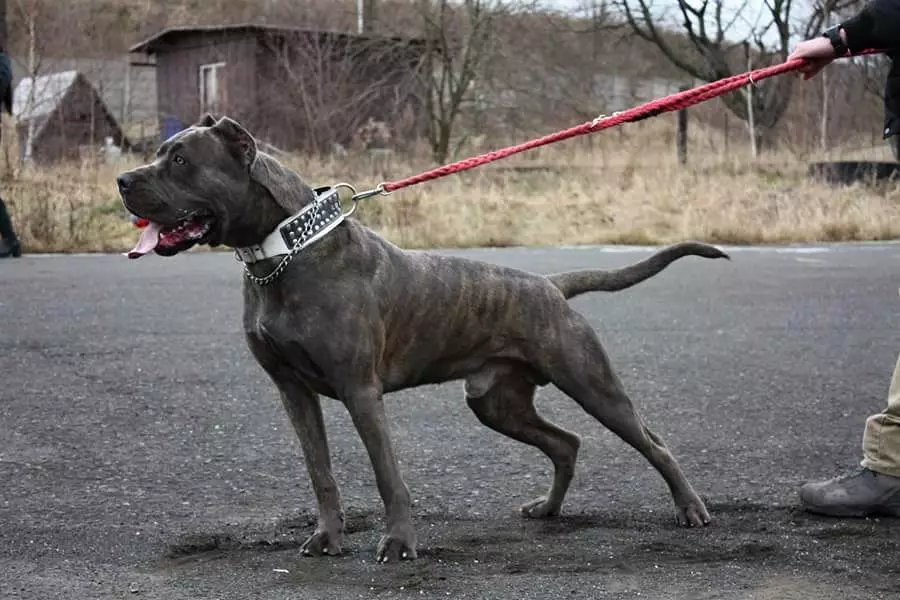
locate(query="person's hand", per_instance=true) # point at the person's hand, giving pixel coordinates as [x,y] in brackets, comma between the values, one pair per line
[818,53]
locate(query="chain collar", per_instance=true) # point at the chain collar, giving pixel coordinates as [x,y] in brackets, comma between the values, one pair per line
[294,234]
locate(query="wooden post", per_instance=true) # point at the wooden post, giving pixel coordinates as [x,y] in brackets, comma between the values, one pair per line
[750,120]
[823,124]
[727,133]
[595,55]
[681,133]
[125,117]
[33,73]
[368,16]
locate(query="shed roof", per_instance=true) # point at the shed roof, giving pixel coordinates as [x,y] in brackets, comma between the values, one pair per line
[35,98]
[154,42]
[128,91]
[48,91]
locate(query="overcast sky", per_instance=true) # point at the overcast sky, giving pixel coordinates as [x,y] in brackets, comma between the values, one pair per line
[746,14]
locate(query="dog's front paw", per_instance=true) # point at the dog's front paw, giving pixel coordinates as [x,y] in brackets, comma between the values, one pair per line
[398,544]
[322,542]
[691,512]
[540,508]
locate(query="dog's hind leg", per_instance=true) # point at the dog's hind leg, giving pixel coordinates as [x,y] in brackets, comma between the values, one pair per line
[579,366]
[505,403]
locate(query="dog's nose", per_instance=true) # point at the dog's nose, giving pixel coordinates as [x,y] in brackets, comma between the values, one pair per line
[125,181]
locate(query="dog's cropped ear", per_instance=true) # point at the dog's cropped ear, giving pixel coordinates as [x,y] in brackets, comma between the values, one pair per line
[238,139]
[285,187]
[207,120]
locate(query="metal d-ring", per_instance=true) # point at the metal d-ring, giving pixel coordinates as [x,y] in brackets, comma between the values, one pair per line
[353,197]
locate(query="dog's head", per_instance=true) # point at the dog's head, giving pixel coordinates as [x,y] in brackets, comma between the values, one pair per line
[209,184]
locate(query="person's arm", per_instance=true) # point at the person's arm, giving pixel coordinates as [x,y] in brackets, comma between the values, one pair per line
[6,77]
[876,27]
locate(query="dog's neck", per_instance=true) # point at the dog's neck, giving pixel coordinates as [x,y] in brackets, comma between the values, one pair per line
[275,193]
[260,220]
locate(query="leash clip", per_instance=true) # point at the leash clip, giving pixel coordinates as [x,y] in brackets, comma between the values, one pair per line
[357,196]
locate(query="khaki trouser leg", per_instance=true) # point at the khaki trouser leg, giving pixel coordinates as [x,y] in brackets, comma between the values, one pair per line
[881,440]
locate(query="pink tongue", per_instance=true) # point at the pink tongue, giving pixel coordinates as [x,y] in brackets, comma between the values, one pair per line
[149,240]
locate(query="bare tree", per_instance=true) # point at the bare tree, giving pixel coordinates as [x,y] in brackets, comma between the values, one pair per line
[46,45]
[459,41]
[339,83]
[30,11]
[712,43]
[551,69]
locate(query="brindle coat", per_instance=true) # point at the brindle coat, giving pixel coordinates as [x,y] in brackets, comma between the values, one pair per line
[355,317]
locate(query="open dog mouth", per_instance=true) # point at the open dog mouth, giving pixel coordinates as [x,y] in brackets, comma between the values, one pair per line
[170,240]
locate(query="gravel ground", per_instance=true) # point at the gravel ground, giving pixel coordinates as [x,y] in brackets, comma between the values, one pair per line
[144,454]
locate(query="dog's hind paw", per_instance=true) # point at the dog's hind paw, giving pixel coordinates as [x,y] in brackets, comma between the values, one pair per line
[396,547]
[540,508]
[322,543]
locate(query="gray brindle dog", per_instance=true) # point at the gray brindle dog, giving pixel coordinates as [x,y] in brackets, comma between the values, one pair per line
[353,317]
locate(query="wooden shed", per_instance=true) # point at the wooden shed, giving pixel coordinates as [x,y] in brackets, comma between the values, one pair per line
[64,117]
[296,89]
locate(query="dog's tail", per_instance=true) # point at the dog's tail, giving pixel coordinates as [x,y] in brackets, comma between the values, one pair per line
[574,283]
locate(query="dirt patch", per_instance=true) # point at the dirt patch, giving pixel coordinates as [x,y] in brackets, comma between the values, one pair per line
[776,552]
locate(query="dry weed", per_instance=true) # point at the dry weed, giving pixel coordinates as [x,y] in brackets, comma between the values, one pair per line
[623,187]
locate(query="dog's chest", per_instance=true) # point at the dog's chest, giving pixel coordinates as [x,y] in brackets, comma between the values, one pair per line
[276,346]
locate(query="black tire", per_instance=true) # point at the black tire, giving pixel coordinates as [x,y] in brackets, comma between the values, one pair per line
[850,172]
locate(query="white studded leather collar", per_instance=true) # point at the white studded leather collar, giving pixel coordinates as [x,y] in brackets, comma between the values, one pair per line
[298,231]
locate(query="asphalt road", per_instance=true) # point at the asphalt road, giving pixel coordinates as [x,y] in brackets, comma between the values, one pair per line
[144,454]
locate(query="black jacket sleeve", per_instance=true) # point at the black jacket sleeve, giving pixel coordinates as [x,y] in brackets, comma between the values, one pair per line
[876,26]
[6,89]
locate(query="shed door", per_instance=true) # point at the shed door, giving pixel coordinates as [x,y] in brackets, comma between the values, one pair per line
[212,88]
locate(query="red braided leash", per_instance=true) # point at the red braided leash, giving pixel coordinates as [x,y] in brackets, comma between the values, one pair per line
[670,103]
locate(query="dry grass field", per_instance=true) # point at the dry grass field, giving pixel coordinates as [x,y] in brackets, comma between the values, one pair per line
[621,186]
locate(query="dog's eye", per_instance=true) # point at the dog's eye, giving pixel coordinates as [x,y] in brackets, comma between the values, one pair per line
[178,160]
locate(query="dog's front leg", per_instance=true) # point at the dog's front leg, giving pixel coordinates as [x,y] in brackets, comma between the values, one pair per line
[305,411]
[366,408]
